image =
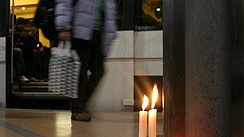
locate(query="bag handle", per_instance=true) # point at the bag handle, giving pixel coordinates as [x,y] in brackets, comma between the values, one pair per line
[66,45]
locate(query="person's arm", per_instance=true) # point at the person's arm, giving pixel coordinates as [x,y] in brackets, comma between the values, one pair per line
[63,18]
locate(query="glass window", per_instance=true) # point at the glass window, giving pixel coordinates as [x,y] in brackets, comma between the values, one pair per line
[125,14]
[148,15]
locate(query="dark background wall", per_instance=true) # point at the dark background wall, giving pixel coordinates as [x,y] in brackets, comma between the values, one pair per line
[4,17]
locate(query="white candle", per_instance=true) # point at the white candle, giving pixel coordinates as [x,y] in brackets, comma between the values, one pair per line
[142,123]
[152,123]
[143,118]
[152,130]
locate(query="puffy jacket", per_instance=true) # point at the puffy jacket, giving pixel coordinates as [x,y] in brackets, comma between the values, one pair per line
[80,18]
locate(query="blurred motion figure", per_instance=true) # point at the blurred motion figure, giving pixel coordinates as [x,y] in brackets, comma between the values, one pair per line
[91,27]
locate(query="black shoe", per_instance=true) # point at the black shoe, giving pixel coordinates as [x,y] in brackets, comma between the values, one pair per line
[85,117]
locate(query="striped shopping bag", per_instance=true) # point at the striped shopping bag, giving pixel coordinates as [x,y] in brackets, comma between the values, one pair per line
[64,70]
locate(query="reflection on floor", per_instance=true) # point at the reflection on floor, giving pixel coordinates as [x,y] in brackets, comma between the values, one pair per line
[57,123]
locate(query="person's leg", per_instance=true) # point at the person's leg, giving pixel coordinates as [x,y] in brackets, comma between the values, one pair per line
[78,106]
[18,62]
[96,66]
[28,59]
[36,65]
[19,65]
[91,59]
[83,50]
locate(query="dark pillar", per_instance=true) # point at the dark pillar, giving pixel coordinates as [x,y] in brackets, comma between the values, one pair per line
[237,69]
[204,68]
[208,85]
[174,67]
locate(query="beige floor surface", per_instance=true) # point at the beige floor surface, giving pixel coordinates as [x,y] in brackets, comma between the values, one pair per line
[57,123]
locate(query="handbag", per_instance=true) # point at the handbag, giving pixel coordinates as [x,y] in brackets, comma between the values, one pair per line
[64,70]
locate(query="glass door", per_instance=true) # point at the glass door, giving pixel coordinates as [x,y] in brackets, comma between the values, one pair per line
[30,54]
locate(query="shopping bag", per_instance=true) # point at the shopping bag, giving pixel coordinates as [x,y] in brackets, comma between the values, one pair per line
[64,70]
[72,75]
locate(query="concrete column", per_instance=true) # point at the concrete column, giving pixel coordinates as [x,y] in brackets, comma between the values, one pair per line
[174,67]
[207,56]
[4,6]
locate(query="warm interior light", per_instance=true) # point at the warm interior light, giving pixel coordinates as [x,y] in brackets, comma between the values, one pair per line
[154,96]
[145,102]
[23,8]
[158,9]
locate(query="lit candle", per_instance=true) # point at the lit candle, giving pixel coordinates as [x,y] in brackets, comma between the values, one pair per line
[143,118]
[153,114]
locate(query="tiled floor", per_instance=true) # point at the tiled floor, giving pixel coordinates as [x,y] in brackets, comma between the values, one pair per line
[57,123]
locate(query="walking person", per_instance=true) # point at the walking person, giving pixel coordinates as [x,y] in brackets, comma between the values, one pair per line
[91,27]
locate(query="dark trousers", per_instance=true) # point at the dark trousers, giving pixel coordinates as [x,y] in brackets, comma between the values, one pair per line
[18,62]
[92,59]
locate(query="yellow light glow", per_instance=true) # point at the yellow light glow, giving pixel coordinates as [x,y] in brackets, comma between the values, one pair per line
[145,102]
[154,96]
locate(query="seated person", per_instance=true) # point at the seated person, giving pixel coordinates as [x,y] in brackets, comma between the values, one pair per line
[26,42]
[18,63]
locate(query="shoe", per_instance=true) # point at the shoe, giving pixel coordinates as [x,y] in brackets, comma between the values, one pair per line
[81,117]
[23,79]
[33,79]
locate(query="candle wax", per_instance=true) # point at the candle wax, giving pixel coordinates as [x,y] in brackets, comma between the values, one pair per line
[152,123]
[142,123]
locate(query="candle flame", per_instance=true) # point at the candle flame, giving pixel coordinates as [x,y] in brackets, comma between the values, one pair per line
[145,102]
[154,96]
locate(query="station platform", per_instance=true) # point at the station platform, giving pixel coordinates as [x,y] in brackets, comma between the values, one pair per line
[57,123]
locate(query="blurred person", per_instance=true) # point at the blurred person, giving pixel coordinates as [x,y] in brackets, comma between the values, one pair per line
[91,27]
